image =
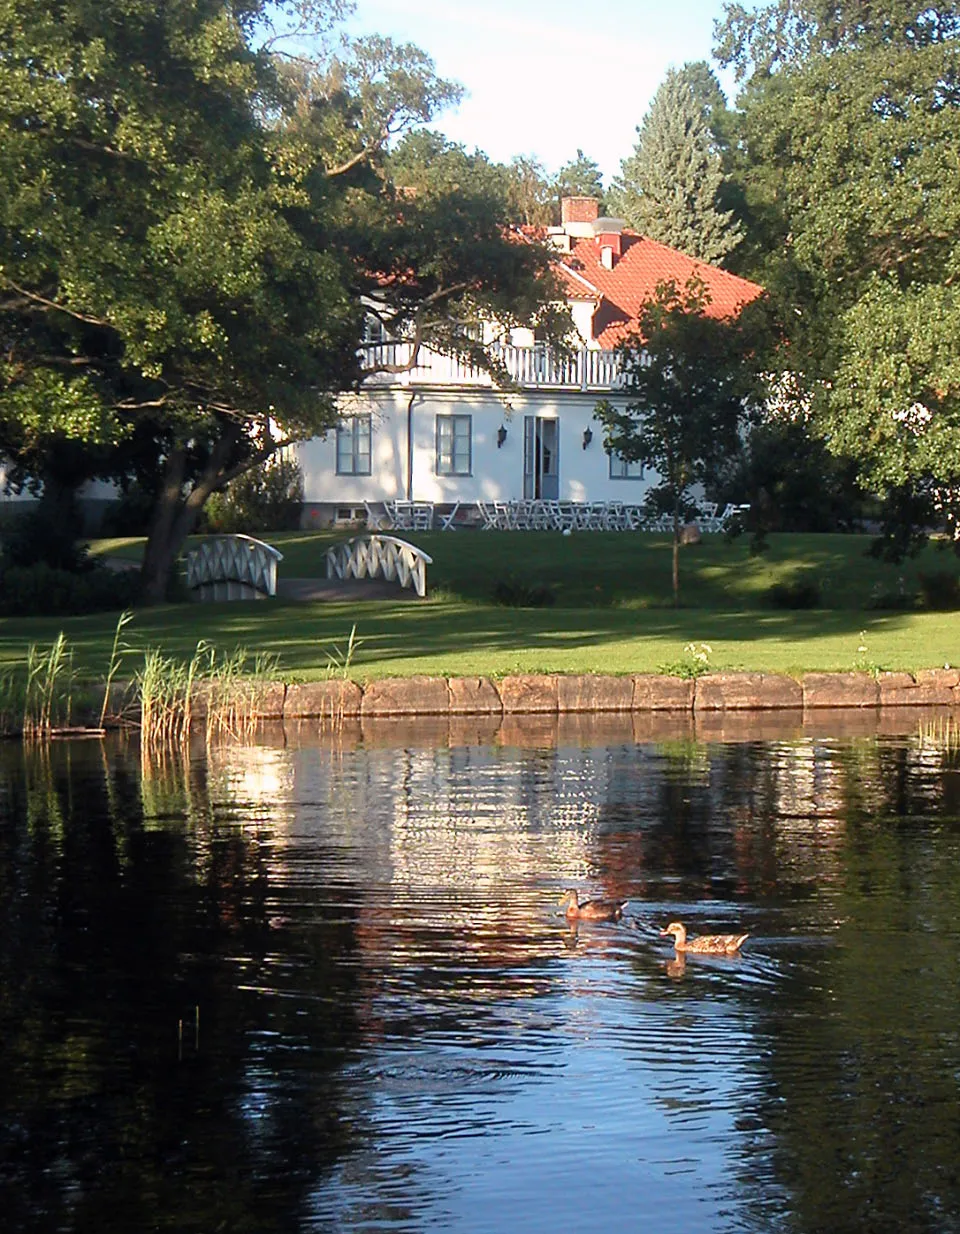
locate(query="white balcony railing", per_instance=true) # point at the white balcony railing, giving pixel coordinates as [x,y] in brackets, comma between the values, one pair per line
[530,367]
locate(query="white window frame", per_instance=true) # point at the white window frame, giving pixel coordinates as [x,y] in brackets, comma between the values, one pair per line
[451,461]
[622,469]
[352,436]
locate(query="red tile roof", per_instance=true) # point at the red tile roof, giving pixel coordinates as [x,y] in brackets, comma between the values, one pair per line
[644,263]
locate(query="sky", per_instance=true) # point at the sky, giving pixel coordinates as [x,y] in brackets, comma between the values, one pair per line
[549,78]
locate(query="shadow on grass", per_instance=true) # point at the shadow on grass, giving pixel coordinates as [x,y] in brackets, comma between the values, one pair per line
[405,636]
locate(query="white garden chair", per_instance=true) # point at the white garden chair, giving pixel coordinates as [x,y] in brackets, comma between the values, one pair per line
[447,520]
[377,520]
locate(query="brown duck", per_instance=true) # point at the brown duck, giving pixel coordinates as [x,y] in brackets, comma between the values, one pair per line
[592,910]
[705,944]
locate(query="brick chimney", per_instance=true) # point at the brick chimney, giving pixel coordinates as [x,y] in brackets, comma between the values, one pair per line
[578,214]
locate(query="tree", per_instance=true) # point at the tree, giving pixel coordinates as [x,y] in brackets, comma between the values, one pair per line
[850,139]
[579,178]
[530,195]
[688,378]
[190,228]
[670,187]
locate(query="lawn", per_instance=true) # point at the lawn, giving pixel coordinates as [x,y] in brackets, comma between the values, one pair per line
[598,569]
[612,612]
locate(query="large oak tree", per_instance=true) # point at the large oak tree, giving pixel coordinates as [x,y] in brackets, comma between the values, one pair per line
[192,227]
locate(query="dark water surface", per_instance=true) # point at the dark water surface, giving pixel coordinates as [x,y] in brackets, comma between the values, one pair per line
[297,987]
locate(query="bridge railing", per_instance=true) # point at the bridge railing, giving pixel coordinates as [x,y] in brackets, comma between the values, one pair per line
[233,568]
[377,556]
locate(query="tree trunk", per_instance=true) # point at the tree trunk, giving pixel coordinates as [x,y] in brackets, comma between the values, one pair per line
[160,553]
[175,515]
[676,557]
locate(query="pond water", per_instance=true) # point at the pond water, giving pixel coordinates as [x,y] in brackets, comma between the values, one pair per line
[325,984]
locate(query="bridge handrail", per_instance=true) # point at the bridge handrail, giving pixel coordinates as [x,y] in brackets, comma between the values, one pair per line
[234,558]
[373,556]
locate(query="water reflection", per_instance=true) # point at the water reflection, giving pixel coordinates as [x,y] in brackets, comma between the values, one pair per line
[316,984]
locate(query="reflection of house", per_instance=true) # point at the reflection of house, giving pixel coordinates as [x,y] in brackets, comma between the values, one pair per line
[443,431]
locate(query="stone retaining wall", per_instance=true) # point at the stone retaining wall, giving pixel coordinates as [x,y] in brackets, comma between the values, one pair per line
[547,695]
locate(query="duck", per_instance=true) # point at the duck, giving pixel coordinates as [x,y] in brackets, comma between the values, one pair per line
[592,910]
[705,944]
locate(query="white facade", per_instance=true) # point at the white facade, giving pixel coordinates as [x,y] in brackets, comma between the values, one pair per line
[444,433]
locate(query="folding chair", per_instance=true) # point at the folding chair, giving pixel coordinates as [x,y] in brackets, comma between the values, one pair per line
[375,520]
[446,520]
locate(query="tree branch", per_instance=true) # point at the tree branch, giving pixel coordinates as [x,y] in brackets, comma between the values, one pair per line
[35,298]
[362,156]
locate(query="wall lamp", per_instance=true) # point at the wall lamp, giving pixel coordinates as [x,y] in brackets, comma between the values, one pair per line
[501,436]
[587,437]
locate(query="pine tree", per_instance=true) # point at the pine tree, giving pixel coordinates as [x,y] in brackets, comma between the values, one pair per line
[580,178]
[669,187]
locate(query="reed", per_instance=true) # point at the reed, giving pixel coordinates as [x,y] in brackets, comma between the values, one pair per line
[47,698]
[339,663]
[220,690]
[234,685]
[941,733]
[117,652]
[162,685]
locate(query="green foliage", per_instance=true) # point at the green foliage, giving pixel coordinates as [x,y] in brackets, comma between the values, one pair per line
[694,663]
[580,178]
[189,223]
[44,536]
[687,385]
[801,592]
[267,499]
[531,198]
[515,592]
[940,589]
[849,140]
[670,187]
[47,590]
[792,482]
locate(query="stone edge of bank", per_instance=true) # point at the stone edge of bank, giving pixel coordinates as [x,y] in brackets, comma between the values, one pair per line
[549,694]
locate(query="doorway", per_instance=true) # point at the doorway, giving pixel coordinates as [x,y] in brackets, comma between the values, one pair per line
[541,470]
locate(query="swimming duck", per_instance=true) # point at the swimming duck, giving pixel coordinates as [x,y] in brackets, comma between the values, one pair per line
[592,910]
[706,944]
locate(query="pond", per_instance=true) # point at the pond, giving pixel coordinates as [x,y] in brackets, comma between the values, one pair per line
[323,982]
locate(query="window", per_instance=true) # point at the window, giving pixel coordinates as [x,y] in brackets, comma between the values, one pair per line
[454,437]
[374,330]
[353,446]
[621,469]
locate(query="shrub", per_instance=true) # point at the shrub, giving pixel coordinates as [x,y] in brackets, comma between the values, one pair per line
[798,593]
[515,593]
[940,589]
[44,535]
[898,600]
[41,589]
[129,515]
[268,498]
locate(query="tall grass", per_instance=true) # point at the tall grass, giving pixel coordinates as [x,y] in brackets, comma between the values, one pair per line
[117,652]
[220,692]
[941,733]
[47,700]
[339,663]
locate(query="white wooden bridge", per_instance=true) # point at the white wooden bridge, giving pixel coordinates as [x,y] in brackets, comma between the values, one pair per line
[379,556]
[233,568]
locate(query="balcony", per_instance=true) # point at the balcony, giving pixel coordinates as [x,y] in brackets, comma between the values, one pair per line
[531,368]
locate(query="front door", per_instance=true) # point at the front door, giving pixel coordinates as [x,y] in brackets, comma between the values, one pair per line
[541,459]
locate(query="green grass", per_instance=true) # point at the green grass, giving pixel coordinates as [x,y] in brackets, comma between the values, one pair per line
[612,615]
[599,569]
